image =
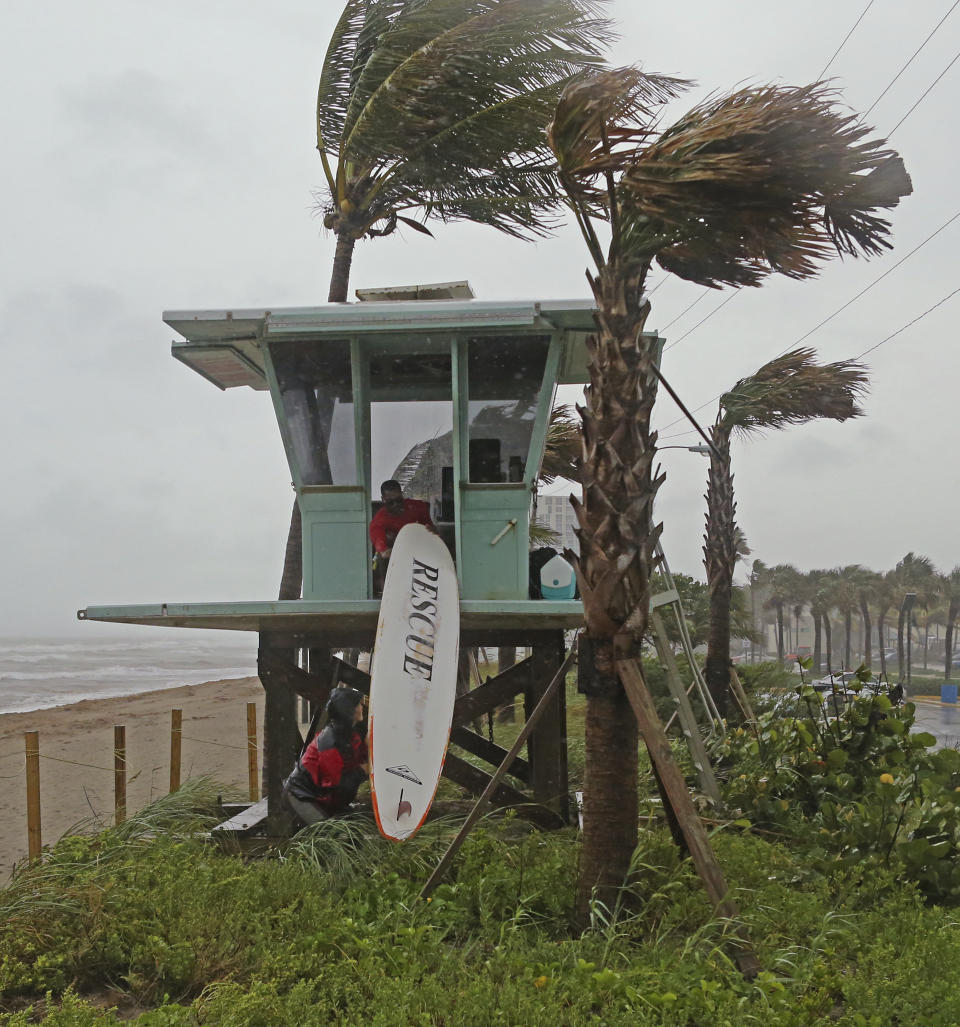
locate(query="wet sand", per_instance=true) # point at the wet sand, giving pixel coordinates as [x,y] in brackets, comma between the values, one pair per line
[214,743]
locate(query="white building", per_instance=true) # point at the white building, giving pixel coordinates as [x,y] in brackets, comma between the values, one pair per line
[557,513]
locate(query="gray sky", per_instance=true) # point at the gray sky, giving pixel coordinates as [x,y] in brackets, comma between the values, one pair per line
[161,156]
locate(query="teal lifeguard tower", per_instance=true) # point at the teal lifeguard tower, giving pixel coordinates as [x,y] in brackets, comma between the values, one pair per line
[470,385]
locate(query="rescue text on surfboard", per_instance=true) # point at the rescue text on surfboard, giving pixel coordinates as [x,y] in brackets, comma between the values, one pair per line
[422,620]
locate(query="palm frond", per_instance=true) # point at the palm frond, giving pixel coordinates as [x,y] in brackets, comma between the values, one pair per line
[764,180]
[793,389]
[602,117]
[441,104]
[564,444]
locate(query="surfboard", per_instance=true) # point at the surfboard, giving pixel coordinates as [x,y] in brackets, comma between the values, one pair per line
[412,680]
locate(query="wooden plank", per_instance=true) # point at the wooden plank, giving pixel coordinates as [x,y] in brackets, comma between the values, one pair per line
[494,754]
[349,675]
[477,781]
[34,840]
[675,788]
[246,820]
[495,692]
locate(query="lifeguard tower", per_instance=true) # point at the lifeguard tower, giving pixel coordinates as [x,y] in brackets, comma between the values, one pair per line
[456,391]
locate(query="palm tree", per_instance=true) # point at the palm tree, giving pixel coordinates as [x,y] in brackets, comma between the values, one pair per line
[885,597]
[867,582]
[764,180]
[783,582]
[818,608]
[847,599]
[913,574]
[951,592]
[436,109]
[790,389]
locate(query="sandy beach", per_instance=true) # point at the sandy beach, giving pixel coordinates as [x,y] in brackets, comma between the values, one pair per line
[214,743]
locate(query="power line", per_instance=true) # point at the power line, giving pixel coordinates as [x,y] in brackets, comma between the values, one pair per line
[815,328]
[676,342]
[695,302]
[908,325]
[922,98]
[956,3]
[845,38]
[867,288]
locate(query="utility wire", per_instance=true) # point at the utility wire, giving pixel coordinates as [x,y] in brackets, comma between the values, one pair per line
[676,342]
[695,302]
[906,326]
[922,98]
[956,3]
[845,38]
[815,328]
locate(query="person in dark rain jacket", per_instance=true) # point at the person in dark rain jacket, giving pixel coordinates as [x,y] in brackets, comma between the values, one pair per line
[334,764]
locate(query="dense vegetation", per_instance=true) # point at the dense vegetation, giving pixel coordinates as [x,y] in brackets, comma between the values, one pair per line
[840,838]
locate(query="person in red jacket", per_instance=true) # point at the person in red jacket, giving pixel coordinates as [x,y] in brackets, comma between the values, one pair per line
[334,764]
[392,516]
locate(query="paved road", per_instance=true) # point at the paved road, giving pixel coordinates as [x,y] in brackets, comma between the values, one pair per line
[941,719]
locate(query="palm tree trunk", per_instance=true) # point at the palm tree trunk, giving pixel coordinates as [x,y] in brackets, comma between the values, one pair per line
[828,638]
[719,559]
[847,632]
[865,617]
[952,611]
[881,641]
[617,540]
[780,650]
[901,662]
[342,262]
[817,637]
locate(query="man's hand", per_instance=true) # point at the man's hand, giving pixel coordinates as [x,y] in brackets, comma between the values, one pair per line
[385,553]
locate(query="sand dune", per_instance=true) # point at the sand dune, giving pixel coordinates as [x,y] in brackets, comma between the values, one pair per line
[214,743]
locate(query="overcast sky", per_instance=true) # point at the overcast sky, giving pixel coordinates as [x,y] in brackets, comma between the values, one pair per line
[161,156]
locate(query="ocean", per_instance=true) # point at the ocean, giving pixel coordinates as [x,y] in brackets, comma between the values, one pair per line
[38,673]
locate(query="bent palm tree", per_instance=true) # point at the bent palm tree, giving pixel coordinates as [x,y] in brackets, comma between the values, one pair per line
[764,180]
[436,109]
[790,389]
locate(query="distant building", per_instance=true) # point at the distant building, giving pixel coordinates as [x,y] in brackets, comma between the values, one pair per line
[557,513]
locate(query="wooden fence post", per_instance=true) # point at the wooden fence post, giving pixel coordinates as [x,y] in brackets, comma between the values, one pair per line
[34,842]
[120,772]
[252,774]
[176,739]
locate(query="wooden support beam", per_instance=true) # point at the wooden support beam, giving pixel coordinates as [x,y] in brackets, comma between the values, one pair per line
[282,741]
[489,751]
[493,693]
[547,745]
[477,781]
[694,833]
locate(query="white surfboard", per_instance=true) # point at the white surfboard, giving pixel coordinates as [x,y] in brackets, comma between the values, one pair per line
[413,680]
